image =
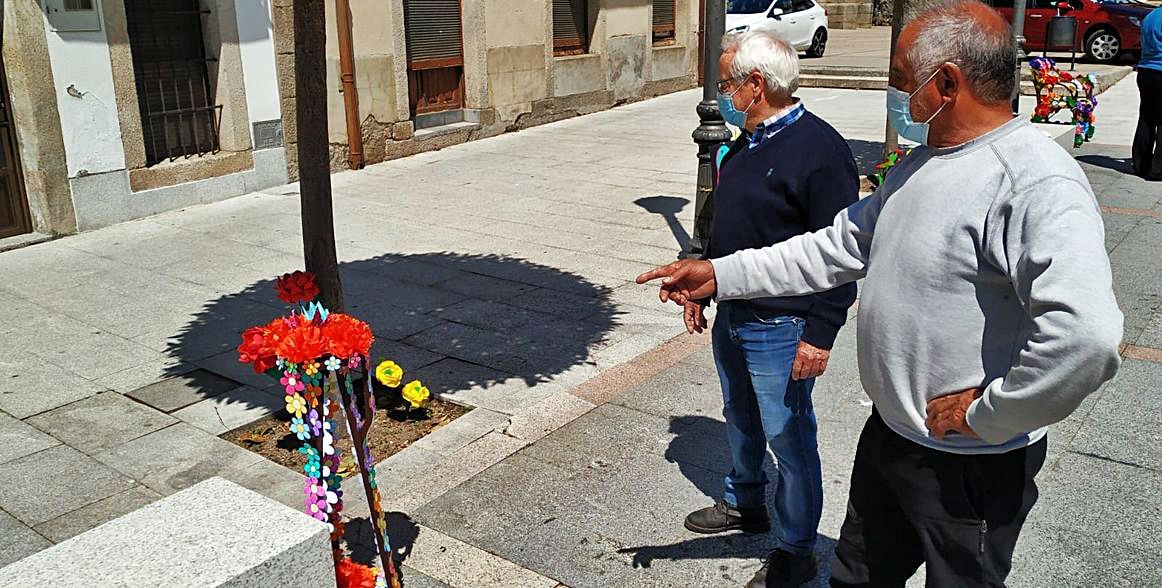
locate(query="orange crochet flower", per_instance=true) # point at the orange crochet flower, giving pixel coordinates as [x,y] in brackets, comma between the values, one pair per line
[257,349]
[347,336]
[302,344]
[349,574]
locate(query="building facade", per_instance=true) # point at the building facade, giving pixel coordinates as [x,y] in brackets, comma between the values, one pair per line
[119,109]
[432,73]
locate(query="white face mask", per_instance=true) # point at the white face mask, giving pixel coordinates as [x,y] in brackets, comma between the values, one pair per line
[900,110]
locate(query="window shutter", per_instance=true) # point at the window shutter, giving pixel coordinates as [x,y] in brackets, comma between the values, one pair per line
[433,33]
[663,20]
[570,26]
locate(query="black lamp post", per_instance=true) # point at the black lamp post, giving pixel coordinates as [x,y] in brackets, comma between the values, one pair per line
[1019,35]
[712,130]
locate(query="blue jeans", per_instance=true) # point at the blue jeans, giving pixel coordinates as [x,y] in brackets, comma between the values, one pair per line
[764,406]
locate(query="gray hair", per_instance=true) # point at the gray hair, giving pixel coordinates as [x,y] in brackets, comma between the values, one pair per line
[767,53]
[950,33]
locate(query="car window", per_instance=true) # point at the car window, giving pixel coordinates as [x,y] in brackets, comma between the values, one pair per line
[785,6]
[1044,4]
[747,6]
[1001,3]
[802,5]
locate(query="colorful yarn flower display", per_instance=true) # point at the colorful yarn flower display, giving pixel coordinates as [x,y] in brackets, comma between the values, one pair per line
[1061,90]
[321,359]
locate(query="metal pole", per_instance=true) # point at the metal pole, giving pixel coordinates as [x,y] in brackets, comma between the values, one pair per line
[1019,37]
[712,129]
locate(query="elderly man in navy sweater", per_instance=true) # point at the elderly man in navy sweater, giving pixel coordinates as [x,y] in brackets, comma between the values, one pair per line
[788,173]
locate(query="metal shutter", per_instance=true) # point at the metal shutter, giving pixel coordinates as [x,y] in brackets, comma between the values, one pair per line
[570,26]
[433,33]
[663,19]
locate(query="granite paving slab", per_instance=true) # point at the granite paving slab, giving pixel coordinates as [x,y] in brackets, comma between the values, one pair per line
[183,390]
[99,422]
[17,540]
[176,458]
[18,439]
[78,521]
[45,485]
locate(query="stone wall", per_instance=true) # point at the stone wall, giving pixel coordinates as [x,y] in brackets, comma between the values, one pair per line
[512,79]
[848,14]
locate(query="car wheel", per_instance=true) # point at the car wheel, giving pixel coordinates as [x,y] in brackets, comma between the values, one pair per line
[1103,45]
[818,43]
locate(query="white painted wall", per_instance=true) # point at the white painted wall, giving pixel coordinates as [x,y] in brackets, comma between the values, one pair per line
[92,133]
[256,42]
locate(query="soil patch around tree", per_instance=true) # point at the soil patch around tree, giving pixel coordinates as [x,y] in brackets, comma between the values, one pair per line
[394,429]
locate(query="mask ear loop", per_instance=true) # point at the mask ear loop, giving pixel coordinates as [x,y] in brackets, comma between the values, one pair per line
[921,87]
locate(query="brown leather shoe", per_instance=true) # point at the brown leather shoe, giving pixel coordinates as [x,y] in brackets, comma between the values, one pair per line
[722,517]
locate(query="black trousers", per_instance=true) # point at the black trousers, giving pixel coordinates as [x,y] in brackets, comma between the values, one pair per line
[958,514]
[1147,152]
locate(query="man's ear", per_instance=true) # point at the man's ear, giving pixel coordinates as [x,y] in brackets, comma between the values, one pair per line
[949,82]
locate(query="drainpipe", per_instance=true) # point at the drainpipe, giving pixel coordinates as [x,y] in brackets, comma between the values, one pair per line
[347,84]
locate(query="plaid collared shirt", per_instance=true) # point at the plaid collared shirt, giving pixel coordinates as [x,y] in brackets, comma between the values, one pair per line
[771,127]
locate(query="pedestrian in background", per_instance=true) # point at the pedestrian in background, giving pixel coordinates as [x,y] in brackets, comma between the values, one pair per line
[1148,138]
[987,310]
[788,173]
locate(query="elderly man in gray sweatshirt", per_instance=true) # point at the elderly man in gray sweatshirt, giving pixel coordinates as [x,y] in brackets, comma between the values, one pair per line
[987,311]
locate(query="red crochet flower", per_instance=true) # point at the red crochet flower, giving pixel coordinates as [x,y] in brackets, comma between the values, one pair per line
[297,287]
[257,349]
[349,574]
[347,336]
[303,343]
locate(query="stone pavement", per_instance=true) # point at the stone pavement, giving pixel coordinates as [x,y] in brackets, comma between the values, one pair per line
[498,271]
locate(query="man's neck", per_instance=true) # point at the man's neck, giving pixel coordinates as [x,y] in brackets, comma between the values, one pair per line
[764,111]
[978,125]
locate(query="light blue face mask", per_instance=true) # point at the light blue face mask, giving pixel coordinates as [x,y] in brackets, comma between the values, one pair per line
[900,110]
[729,113]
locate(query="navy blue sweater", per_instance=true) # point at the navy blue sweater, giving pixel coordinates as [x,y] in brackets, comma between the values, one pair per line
[792,183]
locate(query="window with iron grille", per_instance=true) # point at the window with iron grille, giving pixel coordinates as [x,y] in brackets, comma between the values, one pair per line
[663,21]
[178,115]
[570,27]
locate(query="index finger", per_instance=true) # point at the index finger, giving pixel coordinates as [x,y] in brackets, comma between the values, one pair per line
[656,273]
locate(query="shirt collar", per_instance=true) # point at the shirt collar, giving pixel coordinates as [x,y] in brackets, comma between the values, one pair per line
[779,121]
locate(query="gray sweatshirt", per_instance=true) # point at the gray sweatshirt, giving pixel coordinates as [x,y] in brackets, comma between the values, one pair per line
[985,268]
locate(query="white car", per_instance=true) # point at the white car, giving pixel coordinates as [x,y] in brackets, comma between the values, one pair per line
[803,23]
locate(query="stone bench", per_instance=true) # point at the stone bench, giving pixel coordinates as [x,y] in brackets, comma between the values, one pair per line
[214,533]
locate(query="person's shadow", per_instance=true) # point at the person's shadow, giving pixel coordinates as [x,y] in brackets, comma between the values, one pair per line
[402,533]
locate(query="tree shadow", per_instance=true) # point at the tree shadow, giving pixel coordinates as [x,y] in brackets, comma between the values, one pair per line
[467,321]
[669,207]
[867,154]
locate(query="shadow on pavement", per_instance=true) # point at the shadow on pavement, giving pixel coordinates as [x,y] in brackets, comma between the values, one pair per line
[669,207]
[1119,164]
[473,320]
[867,154]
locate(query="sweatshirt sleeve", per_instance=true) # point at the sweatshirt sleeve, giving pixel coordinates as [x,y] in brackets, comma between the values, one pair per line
[805,264]
[830,189]
[1051,242]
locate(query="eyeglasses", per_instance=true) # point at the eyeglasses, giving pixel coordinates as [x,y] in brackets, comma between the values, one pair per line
[724,84]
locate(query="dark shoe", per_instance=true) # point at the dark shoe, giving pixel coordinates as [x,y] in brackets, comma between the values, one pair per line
[721,518]
[785,570]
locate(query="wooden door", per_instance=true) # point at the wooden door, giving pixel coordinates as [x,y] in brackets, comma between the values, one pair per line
[14,216]
[435,55]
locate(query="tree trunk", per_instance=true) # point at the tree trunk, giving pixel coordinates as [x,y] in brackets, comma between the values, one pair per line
[891,141]
[314,151]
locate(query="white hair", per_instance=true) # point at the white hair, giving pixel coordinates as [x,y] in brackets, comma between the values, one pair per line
[767,53]
[949,32]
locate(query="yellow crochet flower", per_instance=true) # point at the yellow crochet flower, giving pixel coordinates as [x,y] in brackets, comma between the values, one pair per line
[415,393]
[296,405]
[311,368]
[389,374]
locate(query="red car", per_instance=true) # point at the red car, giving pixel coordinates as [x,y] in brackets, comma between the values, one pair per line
[1106,29]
